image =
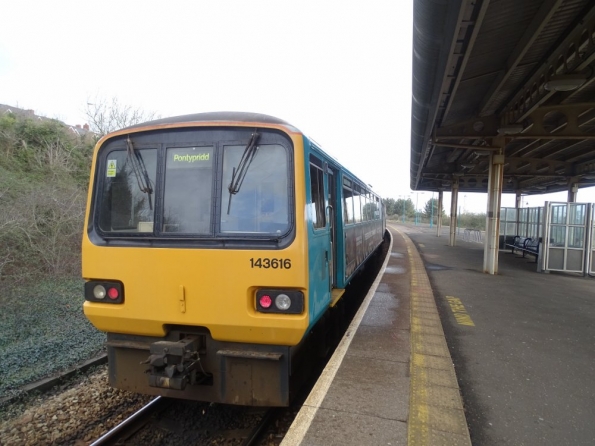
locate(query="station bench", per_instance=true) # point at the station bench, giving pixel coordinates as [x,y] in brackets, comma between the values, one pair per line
[525,245]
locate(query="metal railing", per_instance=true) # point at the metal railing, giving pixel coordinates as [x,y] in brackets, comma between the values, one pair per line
[473,235]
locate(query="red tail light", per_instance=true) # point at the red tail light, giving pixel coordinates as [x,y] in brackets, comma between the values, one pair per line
[265,301]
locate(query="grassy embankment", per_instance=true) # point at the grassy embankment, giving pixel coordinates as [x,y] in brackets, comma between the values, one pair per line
[44,171]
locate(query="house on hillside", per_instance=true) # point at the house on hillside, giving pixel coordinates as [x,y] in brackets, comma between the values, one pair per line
[82,131]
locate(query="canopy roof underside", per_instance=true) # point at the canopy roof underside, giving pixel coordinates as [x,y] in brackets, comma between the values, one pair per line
[488,77]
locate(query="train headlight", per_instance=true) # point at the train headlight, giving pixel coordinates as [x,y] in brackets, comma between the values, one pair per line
[282,302]
[104,291]
[285,301]
[99,291]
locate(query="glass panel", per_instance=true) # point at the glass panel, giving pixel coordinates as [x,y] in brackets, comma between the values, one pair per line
[123,206]
[558,215]
[188,190]
[514,214]
[557,235]
[261,205]
[369,210]
[577,214]
[576,236]
[347,205]
[316,206]
[536,233]
[375,210]
[357,210]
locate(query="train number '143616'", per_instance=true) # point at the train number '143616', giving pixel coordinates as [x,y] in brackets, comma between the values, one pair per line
[270,263]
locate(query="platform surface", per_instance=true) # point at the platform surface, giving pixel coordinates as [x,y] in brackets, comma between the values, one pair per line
[443,354]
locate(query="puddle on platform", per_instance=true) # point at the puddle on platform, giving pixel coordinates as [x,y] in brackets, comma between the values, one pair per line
[397,255]
[395,270]
[383,288]
[436,267]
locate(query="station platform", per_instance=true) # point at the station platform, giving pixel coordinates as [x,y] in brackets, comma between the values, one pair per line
[442,354]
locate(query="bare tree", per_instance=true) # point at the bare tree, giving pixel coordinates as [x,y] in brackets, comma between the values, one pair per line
[106,115]
[53,226]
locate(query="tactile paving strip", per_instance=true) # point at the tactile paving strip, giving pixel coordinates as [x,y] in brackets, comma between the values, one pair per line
[436,415]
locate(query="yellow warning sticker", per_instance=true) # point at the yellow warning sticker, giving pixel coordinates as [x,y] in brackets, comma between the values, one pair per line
[111,168]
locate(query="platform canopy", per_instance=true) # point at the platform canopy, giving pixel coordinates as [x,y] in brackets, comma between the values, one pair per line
[509,77]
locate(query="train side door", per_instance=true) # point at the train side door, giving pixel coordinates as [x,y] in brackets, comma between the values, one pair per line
[320,245]
[332,221]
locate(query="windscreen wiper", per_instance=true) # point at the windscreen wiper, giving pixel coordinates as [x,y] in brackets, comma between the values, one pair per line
[239,172]
[140,170]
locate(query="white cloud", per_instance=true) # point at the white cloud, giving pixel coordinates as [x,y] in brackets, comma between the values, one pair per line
[339,71]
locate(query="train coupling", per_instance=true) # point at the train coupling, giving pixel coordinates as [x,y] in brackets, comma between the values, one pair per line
[175,364]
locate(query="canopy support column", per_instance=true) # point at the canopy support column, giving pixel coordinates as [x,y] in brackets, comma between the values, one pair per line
[453,213]
[572,190]
[495,183]
[439,219]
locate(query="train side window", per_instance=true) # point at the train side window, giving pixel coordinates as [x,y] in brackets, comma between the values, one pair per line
[188,190]
[375,208]
[347,205]
[357,209]
[316,205]
[123,206]
[368,213]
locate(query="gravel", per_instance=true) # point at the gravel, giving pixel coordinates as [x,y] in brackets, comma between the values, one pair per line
[75,415]
[43,331]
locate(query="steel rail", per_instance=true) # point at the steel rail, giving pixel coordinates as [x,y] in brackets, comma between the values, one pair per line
[136,416]
[256,433]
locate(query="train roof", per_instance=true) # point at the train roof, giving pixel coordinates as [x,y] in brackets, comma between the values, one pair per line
[227,116]
[221,116]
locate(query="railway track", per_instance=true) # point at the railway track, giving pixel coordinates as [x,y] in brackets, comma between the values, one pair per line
[184,422]
[50,382]
[131,424]
[148,418]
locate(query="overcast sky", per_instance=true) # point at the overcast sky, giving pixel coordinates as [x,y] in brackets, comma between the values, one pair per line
[339,71]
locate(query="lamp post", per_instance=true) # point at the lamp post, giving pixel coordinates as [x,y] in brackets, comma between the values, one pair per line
[459,220]
[402,198]
[416,210]
[416,207]
[432,210]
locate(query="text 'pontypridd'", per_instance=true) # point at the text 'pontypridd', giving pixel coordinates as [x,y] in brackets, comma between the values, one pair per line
[192,158]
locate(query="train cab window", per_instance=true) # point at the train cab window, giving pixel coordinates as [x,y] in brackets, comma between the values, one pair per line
[123,206]
[316,206]
[261,203]
[188,186]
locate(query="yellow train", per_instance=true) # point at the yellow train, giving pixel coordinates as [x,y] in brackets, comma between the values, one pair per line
[216,246]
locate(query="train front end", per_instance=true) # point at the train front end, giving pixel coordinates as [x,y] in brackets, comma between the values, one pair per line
[195,260]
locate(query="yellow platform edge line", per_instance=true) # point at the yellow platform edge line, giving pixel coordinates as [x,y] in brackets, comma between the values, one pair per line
[436,410]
